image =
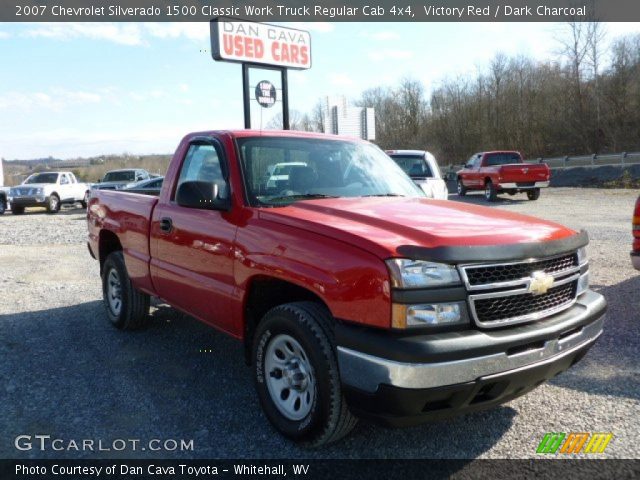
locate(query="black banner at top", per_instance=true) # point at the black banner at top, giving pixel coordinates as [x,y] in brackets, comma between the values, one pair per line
[320,10]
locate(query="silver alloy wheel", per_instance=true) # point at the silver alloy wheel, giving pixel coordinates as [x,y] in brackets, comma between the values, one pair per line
[114,292]
[53,203]
[290,377]
[487,191]
[459,187]
[85,200]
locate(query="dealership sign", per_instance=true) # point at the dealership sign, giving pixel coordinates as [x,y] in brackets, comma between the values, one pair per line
[260,43]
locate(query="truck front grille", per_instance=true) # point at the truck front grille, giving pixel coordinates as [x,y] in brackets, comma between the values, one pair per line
[515,307]
[502,294]
[490,274]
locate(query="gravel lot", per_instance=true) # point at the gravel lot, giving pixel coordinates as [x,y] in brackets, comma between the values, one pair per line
[67,373]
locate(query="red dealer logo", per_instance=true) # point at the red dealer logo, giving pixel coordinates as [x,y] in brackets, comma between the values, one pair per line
[260,43]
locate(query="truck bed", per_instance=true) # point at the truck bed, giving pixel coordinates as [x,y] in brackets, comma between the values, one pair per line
[127,215]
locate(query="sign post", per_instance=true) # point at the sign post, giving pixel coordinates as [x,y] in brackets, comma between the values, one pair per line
[261,46]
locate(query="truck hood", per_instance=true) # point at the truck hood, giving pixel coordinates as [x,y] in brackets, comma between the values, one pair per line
[35,185]
[382,225]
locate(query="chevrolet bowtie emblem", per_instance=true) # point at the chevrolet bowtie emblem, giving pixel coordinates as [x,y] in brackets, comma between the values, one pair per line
[540,283]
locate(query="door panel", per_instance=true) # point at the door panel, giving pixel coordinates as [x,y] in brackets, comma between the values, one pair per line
[192,258]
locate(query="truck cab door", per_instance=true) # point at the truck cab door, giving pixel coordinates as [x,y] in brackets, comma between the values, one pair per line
[192,248]
[65,189]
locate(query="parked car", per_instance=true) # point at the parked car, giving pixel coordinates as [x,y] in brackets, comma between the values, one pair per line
[117,179]
[351,294]
[147,187]
[502,172]
[423,169]
[635,253]
[49,190]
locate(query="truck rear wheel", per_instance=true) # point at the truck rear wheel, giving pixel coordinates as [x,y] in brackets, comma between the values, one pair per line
[297,377]
[533,194]
[127,308]
[85,200]
[17,210]
[3,205]
[490,192]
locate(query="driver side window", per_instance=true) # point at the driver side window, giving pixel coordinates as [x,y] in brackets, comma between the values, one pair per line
[202,164]
[64,180]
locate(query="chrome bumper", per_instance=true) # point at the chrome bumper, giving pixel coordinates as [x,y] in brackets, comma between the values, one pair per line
[515,185]
[366,372]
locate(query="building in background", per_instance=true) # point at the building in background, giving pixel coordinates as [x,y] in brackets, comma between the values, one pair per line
[343,119]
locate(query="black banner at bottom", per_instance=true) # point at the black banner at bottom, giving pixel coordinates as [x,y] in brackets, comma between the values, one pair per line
[122,469]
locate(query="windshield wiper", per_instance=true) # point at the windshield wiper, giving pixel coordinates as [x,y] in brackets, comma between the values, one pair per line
[384,195]
[302,196]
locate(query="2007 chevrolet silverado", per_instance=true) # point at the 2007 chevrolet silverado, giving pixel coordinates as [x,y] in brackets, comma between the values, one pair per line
[351,292]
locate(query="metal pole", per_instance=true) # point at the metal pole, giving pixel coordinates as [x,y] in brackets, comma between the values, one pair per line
[285,100]
[245,95]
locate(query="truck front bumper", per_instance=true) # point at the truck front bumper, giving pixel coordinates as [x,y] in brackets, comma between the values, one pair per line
[406,380]
[29,201]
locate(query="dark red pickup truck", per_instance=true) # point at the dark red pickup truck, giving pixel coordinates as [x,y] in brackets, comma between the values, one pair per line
[352,293]
[502,172]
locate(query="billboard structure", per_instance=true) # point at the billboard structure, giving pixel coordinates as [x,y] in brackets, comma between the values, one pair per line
[261,46]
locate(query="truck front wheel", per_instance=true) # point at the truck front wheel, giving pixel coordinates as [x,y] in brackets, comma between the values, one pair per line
[3,205]
[533,194]
[462,190]
[297,377]
[127,308]
[53,205]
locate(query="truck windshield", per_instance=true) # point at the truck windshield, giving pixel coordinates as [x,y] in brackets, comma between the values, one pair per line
[125,176]
[42,178]
[319,168]
[506,158]
[413,165]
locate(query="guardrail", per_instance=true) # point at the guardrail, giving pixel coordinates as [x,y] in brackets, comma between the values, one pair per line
[595,160]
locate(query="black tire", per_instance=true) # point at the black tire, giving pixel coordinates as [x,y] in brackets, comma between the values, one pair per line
[53,203]
[3,205]
[17,210]
[308,324]
[85,200]
[533,194]
[462,190]
[490,192]
[133,311]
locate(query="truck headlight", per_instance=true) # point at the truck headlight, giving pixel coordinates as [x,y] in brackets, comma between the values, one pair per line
[582,256]
[429,315]
[407,273]
[39,191]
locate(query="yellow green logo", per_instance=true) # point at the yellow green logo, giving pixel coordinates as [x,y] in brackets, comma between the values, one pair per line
[574,442]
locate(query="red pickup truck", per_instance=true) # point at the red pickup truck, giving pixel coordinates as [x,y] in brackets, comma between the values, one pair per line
[502,171]
[352,294]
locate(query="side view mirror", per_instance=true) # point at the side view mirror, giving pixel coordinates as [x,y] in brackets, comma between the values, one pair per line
[204,195]
[468,165]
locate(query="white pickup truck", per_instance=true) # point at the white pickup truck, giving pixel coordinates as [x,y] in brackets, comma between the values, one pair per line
[49,190]
[4,192]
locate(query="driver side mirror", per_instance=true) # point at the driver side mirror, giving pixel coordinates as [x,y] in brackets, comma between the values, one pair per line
[203,195]
[468,165]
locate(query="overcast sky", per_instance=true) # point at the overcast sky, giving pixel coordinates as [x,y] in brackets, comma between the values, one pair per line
[74,89]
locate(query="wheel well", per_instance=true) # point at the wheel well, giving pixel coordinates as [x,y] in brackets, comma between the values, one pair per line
[107,244]
[263,295]
[54,193]
[487,180]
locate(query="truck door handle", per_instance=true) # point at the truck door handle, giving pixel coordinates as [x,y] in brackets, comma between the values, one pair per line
[166,225]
